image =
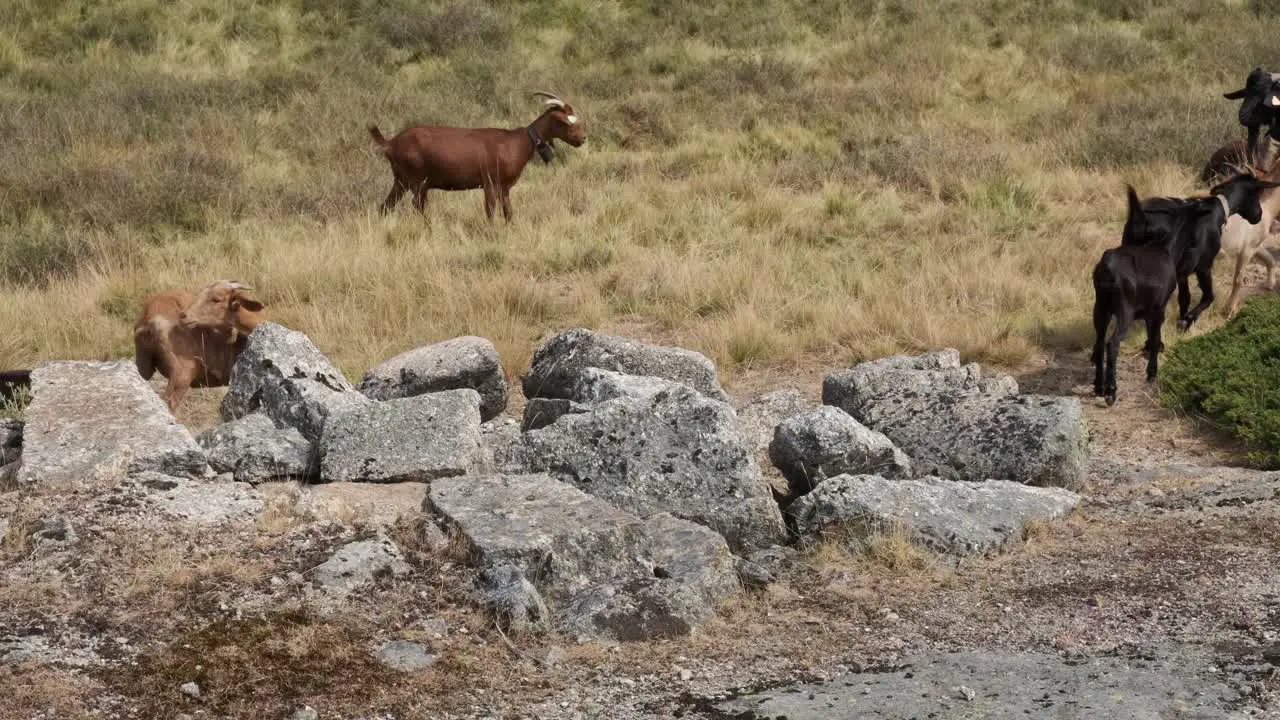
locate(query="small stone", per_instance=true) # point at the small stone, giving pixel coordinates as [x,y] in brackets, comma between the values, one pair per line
[306,712]
[554,656]
[437,627]
[686,675]
[964,693]
[191,690]
[406,656]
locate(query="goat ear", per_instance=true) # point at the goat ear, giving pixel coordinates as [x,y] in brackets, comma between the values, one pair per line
[1236,95]
[1135,204]
[248,304]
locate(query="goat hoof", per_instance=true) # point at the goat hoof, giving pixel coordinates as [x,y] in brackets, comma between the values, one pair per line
[1184,325]
[1151,379]
[1111,399]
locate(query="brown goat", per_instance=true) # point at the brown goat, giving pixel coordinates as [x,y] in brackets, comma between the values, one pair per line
[446,158]
[194,341]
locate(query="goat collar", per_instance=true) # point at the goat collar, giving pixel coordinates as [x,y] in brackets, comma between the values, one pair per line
[545,151]
[1226,208]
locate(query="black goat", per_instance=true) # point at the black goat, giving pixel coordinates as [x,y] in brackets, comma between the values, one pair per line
[1261,106]
[1165,240]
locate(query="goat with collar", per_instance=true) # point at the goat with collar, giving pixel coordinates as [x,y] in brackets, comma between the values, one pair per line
[1194,227]
[1165,240]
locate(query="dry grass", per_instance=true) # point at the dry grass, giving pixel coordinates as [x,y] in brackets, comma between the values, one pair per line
[887,550]
[33,691]
[744,191]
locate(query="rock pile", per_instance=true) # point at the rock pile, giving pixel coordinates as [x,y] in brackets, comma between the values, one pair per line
[956,423]
[628,502]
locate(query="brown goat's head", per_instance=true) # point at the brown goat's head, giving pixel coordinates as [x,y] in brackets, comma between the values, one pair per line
[564,123]
[224,305]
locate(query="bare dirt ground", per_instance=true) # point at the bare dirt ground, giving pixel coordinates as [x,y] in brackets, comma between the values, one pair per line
[1172,548]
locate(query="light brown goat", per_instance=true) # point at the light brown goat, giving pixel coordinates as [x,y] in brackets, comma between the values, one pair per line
[194,341]
[447,158]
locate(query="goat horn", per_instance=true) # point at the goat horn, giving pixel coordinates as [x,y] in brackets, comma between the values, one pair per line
[551,99]
[236,285]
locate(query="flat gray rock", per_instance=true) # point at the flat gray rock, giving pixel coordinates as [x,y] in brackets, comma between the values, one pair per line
[602,572]
[559,362]
[564,537]
[677,451]
[955,517]
[825,442]
[88,418]
[284,375]
[206,502]
[959,424]
[356,565]
[417,438]
[687,572]
[460,363]
[1005,686]
[1222,488]
[405,655]
[254,450]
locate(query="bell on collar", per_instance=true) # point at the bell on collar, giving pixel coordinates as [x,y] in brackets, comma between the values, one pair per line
[545,151]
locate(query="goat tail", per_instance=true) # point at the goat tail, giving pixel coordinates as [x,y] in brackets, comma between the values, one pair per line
[378,139]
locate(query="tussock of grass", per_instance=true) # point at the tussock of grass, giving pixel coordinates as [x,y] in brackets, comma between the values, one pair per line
[765,183]
[13,408]
[888,549]
[1229,376]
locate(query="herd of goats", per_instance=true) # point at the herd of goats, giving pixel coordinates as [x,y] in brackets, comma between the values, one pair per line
[1166,240]
[194,340]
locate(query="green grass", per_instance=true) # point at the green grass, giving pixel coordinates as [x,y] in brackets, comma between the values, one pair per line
[770,183]
[1230,376]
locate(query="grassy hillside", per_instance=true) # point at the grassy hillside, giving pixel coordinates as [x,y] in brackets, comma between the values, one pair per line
[769,182]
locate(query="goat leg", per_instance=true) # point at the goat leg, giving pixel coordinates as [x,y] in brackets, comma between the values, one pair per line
[1204,278]
[1184,302]
[1264,256]
[182,375]
[393,197]
[1237,281]
[504,195]
[490,198]
[1155,345]
[1123,320]
[1101,318]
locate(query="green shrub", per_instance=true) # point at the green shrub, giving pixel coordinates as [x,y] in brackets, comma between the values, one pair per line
[1232,376]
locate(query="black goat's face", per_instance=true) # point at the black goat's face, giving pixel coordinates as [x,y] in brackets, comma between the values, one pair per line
[1242,194]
